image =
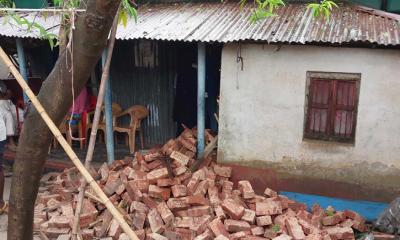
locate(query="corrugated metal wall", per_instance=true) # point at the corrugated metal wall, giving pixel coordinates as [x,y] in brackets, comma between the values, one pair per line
[144,72]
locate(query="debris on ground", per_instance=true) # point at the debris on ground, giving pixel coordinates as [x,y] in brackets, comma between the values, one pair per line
[389,220]
[200,205]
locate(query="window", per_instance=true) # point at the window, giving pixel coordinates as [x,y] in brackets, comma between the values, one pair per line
[331,111]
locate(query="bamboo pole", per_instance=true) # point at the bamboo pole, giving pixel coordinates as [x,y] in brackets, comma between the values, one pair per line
[96,119]
[70,152]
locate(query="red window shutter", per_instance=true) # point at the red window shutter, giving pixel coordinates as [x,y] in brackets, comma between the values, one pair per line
[345,95]
[318,107]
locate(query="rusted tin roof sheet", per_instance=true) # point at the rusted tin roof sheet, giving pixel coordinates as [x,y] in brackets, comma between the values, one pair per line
[227,22]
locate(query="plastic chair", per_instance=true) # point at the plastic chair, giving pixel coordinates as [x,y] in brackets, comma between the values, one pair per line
[64,129]
[136,114]
[116,109]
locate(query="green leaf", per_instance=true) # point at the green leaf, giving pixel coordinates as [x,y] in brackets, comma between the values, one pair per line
[123,17]
[276,228]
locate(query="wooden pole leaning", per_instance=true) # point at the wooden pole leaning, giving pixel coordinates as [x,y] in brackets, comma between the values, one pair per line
[67,148]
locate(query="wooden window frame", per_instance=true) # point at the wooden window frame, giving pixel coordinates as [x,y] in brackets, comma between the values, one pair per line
[331,76]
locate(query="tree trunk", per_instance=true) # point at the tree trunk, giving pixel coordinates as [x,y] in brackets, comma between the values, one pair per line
[89,39]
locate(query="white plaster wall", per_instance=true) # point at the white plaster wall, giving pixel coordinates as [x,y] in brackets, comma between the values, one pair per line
[262,107]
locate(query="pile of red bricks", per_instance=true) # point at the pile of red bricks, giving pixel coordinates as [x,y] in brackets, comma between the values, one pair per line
[200,205]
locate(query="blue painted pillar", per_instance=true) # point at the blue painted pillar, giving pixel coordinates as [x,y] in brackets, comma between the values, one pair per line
[201,89]
[22,63]
[108,113]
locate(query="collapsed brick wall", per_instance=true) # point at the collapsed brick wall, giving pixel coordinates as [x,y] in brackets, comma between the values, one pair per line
[161,198]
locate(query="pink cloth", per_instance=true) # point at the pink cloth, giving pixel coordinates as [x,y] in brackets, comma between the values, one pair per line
[81,103]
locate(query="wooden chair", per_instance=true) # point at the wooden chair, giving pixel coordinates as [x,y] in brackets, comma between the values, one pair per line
[136,114]
[116,109]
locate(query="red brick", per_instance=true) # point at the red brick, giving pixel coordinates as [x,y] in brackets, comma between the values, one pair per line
[268,207]
[137,175]
[222,171]
[142,185]
[55,232]
[264,221]
[206,235]
[156,236]
[112,183]
[270,193]
[257,231]
[201,188]
[179,170]
[234,210]
[139,207]
[317,210]
[249,216]
[115,230]
[160,193]
[303,214]
[179,190]
[200,224]
[213,195]
[296,206]
[167,182]
[283,237]
[333,220]
[89,213]
[246,189]
[192,185]
[183,222]
[227,186]
[104,171]
[64,237]
[197,200]
[308,228]
[200,174]
[239,235]
[221,237]
[294,228]
[270,233]
[138,219]
[219,212]
[177,203]
[155,221]
[184,234]
[337,233]
[141,234]
[152,156]
[199,211]
[157,174]
[87,234]
[148,201]
[179,157]
[67,210]
[133,191]
[184,177]
[165,213]
[236,225]
[59,222]
[359,222]
[218,228]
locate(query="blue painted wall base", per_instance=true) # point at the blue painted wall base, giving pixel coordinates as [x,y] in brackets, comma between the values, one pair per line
[369,210]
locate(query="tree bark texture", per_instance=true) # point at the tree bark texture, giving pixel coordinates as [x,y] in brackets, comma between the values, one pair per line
[89,39]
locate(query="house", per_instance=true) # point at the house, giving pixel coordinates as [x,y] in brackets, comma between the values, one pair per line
[311,101]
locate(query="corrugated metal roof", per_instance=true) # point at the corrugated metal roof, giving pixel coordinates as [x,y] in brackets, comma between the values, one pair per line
[226,22]
[9,28]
